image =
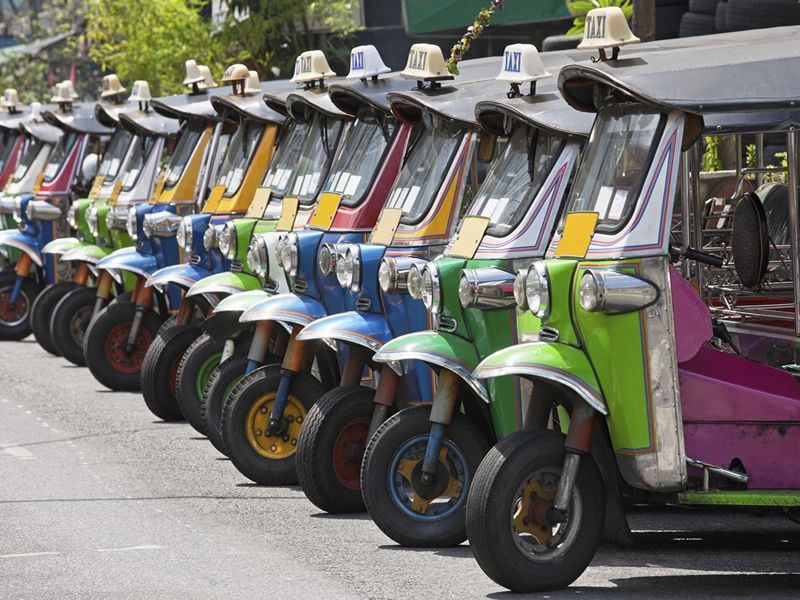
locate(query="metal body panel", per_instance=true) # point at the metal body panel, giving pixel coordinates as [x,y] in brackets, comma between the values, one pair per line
[288,308]
[89,253]
[29,244]
[363,329]
[128,259]
[62,245]
[225,283]
[183,275]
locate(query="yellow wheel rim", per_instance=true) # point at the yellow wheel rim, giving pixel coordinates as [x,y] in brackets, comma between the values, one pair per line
[274,447]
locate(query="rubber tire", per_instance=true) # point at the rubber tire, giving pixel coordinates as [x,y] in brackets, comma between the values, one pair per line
[42,311]
[693,24]
[162,356]
[757,14]
[83,297]
[212,402]
[703,7]
[31,290]
[255,467]
[721,17]
[489,503]
[389,437]
[201,350]
[315,448]
[94,342]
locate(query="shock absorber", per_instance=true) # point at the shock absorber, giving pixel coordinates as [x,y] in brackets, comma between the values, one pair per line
[292,364]
[442,410]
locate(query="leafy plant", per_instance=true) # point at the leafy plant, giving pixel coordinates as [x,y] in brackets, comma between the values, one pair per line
[579,8]
[711,158]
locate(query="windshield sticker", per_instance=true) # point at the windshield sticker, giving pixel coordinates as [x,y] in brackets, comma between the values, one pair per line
[578,231]
[352,185]
[618,205]
[469,236]
[259,203]
[603,200]
[386,226]
[289,207]
[130,178]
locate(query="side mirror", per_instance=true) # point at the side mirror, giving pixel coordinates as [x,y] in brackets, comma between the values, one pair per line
[486,147]
[89,166]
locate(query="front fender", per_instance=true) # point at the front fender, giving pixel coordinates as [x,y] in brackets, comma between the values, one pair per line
[27,244]
[287,308]
[439,349]
[88,253]
[363,329]
[62,245]
[128,259]
[557,363]
[183,275]
[224,321]
[225,283]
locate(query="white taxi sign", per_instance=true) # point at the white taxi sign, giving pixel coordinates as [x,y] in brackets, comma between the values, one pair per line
[522,64]
[426,63]
[236,72]
[111,86]
[208,81]
[607,28]
[140,92]
[365,62]
[10,100]
[311,66]
[64,93]
[252,85]
[193,74]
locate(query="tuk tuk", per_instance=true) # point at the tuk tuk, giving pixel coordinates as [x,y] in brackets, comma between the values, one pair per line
[67,175]
[257,128]
[262,417]
[418,464]
[12,142]
[119,333]
[643,385]
[128,182]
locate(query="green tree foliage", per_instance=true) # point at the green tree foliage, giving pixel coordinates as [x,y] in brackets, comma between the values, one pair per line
[579,8]
[149,39]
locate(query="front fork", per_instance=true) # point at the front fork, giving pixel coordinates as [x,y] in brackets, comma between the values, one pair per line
[444,406]
[579,436]
[104,283]
[23,270]
[143,298]
[384,398]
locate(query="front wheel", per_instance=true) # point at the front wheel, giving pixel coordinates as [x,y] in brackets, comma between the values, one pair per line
[412,513]
[42,312]
[220,384]
[15,319]
[69,322]
[194,371]
[264,457]
[106,350]
[330,448]
[507,507]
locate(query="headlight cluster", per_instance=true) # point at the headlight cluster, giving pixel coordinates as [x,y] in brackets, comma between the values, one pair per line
[327,258]
[288,254]
[348,268]
[227,241]
[257,259]
[615,292]
[184,235]
[131,225]
[210,237]
[73,215]
[536,283]
[394,273]
[91,219]
[423,284]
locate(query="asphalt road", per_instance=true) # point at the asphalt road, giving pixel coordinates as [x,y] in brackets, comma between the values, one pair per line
[100,500]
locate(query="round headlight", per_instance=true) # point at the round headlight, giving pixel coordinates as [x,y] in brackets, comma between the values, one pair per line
[466,294]
[414,283]
[29,211]
[227,241]
[91,219]
[289,254]
[537,290]
[17,209]
[72,215]
[131,225]
[184,234]
[251,257]
[348,269]
[429,288]
[257,257]
[519,289]
[210,237]
[110,219]
[387,275]
[326,260]
[589,292]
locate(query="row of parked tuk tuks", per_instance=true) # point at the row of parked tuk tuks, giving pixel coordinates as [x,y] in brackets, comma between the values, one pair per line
[502,305]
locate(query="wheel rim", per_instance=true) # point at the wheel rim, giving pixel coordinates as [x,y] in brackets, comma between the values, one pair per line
[536,540]
[114,347]
[78,324]
[280,446]
[12,317]
[347,452]
[204,373]
[445,494]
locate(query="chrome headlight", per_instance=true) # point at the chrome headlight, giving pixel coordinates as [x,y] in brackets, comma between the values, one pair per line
[73,214]
[537,289]
[327,258]
[430,289]
[615,292]
[348,269]
[387,275]
[466,293]
[257,260]
[415,282]
[131,225]
[486,288]
[589,292]
[519,289]
[91,219]
[210,237]
[227,241]
[289,254]
[16,211]
[184,234]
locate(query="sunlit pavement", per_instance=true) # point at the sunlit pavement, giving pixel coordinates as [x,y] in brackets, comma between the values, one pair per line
[100,500]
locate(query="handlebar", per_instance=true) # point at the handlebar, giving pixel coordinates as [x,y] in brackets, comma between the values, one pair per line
[701,257]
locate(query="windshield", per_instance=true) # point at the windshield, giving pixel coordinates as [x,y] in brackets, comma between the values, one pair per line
[238,154]
[356,161]
[32,149]
[287,155]
[7,141]
[59,154]
[144,145]
[515,179]
[317,148]
[187,142]
[419,180]
[115,152]
[617,157]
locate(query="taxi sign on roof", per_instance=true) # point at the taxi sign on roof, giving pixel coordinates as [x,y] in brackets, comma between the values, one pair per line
[64,93]
[522,64]
[365,62]
[426,63]
[140,92]
[235,72]
[311,66]
[111,86]
[193,74]
[607,28]
[207,81]
[10,100]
